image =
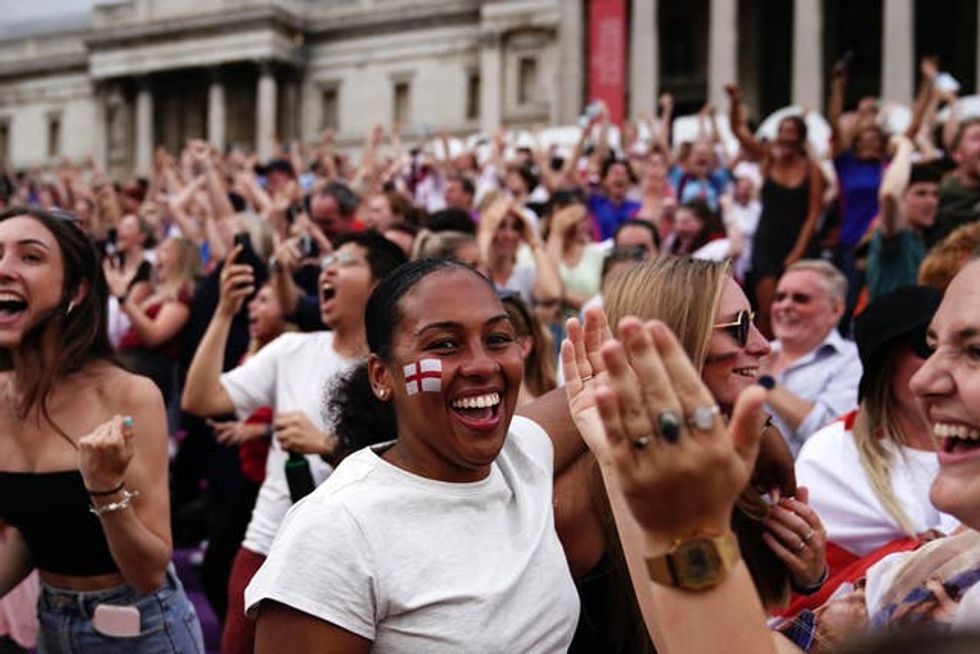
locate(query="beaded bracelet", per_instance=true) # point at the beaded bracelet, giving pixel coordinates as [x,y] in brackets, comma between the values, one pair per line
[127,497]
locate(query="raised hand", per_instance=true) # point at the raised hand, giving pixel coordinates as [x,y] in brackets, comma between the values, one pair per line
[236,283]
[105,453]
[681,468]
[584,371]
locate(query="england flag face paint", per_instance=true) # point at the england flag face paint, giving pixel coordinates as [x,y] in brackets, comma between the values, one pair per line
[423,375]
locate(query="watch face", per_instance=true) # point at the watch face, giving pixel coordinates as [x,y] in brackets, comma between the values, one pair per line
[698,564]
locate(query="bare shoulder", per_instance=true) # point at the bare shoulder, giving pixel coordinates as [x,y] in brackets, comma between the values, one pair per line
[122,390]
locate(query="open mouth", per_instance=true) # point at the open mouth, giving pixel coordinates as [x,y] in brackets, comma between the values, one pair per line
[478,412]
[11,305]
[327,293]
[957,439]
[749,373]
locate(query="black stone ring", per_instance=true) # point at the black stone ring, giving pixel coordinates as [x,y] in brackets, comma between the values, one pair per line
[669,426]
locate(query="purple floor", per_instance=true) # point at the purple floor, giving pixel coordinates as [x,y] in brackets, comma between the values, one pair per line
[189,573]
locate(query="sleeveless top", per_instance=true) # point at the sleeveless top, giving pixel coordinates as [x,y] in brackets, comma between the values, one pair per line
[784,210]
[51,511]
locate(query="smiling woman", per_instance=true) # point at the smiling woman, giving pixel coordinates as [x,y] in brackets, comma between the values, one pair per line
[383,554]
[83,452]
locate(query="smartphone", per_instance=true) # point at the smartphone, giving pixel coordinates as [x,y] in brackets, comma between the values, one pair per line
[308,247]
[116,621]
[260,271]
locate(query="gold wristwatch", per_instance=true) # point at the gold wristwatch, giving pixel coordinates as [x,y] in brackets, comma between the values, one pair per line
[697,563]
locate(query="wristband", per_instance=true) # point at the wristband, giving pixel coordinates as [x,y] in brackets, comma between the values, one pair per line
[813,588]
[106,492]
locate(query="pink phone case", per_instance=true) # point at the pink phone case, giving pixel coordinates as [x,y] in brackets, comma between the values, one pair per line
[117,621]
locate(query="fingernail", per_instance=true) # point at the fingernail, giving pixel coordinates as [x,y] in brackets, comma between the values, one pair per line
[128,422]
[767,382]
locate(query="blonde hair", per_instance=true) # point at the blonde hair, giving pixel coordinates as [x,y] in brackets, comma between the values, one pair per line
[680,291]
[439,245]
[187,269]
[684,293]
[874,424]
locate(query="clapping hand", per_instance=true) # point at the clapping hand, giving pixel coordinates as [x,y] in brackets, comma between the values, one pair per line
[680,467]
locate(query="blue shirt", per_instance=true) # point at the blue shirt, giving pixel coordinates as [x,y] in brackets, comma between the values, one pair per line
[687,187]
[827,376]
[859,182]
[608,216]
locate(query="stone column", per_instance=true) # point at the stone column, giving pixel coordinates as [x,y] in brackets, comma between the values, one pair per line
[491,83]
[216,111]
[808,54]
[265,111]
[897,50]
[144,127]
[722,49]
[644,57]
[568,104]
[100,131]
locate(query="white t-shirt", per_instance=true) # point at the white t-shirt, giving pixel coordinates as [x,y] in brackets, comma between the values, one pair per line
[418,565]
[830,467]
[288,374]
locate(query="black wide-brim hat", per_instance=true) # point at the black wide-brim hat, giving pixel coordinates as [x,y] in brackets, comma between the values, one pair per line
[901,315]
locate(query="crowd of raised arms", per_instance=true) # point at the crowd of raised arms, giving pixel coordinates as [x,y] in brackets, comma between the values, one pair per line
[641,391]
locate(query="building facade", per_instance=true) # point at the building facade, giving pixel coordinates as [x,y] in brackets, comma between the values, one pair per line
[139,73]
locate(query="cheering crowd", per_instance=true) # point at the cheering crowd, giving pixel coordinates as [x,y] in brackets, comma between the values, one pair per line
[506,396]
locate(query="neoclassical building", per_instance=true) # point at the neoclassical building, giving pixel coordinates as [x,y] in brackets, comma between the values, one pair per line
[131,74]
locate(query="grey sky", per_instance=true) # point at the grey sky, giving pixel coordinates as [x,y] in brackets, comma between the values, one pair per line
[22,18]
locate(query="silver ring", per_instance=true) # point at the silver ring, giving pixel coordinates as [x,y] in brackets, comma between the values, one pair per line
[807,537]
[669,426]
[587,378]
[703,418]
[641,442]
[802,546]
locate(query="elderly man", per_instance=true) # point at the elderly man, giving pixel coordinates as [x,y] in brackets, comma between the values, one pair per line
[816,371]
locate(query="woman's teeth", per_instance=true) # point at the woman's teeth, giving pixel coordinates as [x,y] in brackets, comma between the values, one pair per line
[746,372]
[477,401]
[944,430]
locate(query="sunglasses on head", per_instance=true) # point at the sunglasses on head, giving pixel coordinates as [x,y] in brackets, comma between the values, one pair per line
[740,327]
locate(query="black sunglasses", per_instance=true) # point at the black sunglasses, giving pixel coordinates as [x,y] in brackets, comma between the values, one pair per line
[740,327]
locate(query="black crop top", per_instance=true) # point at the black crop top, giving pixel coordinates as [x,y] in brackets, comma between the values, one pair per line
[51,511]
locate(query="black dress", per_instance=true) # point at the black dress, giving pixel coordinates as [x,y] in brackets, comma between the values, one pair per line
[784,211]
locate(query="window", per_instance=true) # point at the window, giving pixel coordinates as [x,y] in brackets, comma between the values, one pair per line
[331,109]
[527,80]
[402,103]
[54,134]
[473,96]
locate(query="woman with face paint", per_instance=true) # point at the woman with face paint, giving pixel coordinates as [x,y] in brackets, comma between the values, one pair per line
[442,539]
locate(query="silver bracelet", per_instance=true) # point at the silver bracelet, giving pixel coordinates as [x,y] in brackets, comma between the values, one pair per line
[127,497]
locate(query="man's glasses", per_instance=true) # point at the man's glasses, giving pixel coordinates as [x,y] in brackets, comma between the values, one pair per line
[339,259]
[797,298]
[740,327]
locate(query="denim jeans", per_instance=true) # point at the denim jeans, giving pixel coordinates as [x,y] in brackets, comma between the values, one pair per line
[168,621]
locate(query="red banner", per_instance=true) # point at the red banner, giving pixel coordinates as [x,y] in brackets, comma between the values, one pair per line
[607,55]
